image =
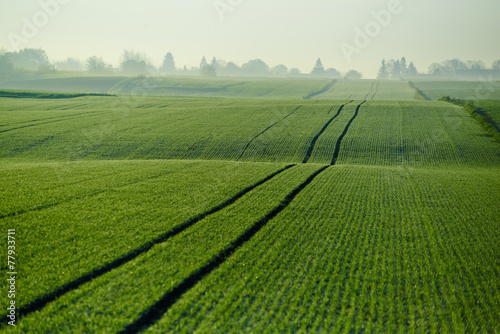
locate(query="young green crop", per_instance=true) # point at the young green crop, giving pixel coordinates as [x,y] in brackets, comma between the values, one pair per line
[186,212]
[369,90]
[362,249]
[384,132]
[118,207]
[130,289]
[469,90]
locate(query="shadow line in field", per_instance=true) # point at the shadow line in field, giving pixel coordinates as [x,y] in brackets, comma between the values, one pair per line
[376,91]
[41,302]
[60,119]
[262,132]
[323,129]
[339,141]
[158,309]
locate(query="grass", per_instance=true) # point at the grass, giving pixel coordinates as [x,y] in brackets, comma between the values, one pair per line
[487,118]
[182,255]
[333,260]
[369,90]
[177,86]
[468,90]
[188,214]
[384,133]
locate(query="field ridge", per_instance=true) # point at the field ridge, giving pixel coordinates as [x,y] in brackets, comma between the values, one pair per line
[159,308]
[321,91]
[41,302]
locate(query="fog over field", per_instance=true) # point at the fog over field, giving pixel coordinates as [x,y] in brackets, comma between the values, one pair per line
[345,34]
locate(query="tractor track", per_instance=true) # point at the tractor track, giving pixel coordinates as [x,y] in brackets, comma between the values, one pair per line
[346,129]
[155,312]
[263,131]
[42,301]
[323,129]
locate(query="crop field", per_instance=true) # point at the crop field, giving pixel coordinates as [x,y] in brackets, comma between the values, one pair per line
[361,209]
[371,90]
[468,90]
[492,109]
[175,86]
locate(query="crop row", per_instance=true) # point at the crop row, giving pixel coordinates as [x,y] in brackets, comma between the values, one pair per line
[470,90]
[369,90]
[362,249]
[131,289]
[384,132]
[116,209]
[417,134]
[346,248]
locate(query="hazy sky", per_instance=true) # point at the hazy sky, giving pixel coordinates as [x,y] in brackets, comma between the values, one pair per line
[291,32]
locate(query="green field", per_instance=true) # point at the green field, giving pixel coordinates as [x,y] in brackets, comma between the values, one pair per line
[491,108]
[371,90]
[468,90]
[177,86]
[362,209]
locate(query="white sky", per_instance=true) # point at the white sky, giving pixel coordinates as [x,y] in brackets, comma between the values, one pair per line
[291,32]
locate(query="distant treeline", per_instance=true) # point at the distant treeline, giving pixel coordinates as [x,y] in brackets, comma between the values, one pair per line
[451,69]
[136,64]
[35,61]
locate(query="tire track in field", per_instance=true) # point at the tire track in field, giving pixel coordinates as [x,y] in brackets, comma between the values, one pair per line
[159,308]
[42,301]
[262,132]
[371,91]
[55,121]
[376,91]
[339,141]
[58,118]
[323,129]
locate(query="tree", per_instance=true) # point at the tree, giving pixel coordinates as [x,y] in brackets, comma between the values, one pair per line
[353,75]
[496,65]
[396,69]
[279,71]
[403,67]
[208,71]
[451,66]
[6,65]
[255,67]
[476,65]
[168,66]
[294,72]
[203,63]
[318,70]
[411,71]
[214,63]
[232,69]
[332,73]
[96,65]
[133,63]
[70,64]
[382,72]
[31,59]
[435,69]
